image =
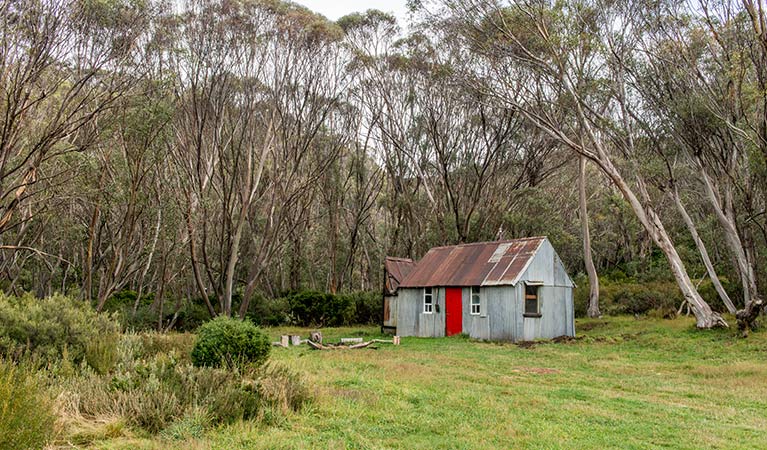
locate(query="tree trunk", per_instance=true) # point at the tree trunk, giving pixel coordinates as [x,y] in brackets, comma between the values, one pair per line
[593,310]
[705,317]
[703,253]
[752,302]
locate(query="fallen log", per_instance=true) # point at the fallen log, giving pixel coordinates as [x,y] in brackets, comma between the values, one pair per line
[343,346]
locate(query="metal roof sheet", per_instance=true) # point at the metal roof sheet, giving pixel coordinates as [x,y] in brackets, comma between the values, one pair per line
[397,269]
[478,264]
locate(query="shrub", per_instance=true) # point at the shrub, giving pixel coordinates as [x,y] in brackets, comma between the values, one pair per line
[162,394]
[320,309]
[628,297]
[269,312]
[26,411]
[153,344]
[367,307]
[191,426]
[100,354]
[229,341]
[124,300]
[52,326]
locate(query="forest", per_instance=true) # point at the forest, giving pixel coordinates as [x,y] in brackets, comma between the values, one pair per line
[171,160]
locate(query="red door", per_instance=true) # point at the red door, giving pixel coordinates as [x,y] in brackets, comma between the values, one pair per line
[453,323]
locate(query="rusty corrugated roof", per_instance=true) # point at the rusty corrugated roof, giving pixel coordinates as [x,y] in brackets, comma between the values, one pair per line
[478,264]
[396,269]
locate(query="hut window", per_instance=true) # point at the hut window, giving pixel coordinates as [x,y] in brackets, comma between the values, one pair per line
[428,301]
[475,301]
[532,304]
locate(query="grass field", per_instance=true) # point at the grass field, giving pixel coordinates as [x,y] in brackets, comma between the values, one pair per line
[623,383]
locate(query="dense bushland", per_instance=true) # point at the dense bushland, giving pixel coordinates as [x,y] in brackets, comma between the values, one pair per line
[55,328]
[71,374]
[632,296]
[405,139]
[298,307]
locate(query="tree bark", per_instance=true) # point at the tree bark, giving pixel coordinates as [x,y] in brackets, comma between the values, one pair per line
[593,309]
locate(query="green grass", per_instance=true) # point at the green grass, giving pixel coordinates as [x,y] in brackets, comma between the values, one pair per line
[624,383]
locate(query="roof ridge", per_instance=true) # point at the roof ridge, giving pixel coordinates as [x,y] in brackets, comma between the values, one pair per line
[502,241]
[469,264]
[397,258]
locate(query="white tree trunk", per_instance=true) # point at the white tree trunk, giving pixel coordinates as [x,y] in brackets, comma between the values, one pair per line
[734,244]
[705,317]
[593,309]
[703,253]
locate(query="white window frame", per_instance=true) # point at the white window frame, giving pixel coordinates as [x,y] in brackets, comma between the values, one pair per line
[428,307]
[475,295]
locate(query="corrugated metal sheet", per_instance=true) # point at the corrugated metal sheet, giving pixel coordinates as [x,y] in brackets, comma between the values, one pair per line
[480,264]
[396,271]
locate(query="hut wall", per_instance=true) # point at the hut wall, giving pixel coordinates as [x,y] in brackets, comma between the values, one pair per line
[390,303]
[412,321]
[496,319]
[556,298]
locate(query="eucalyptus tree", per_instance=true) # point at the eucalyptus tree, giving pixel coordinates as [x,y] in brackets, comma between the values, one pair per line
[539,58]
[698,85]
[63,66]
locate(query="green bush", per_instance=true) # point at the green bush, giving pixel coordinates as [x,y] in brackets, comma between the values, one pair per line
[367,307]
[320,309]
[269,312]
[50,327]
[617,298]
[230,341]
[26,411]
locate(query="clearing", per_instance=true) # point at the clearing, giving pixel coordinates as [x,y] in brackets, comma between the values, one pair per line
[623,383]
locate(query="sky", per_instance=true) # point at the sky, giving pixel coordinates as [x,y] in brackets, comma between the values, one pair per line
[334,9]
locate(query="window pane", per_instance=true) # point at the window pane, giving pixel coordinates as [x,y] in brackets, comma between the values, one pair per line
[531,306]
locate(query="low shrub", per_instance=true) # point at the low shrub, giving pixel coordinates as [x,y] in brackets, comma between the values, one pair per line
[153,343]
[617,298]
[320,309]
[230,341]
[191,426]
[162,394]
[26,411]
[367,307]
[282,389]
[52,326]
[269,312]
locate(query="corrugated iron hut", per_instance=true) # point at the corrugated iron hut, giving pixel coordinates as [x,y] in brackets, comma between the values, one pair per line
[515,290]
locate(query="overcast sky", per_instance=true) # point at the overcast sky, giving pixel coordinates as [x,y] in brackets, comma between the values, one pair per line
[334,9]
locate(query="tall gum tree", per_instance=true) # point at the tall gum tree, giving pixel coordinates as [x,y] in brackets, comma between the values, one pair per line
[540,59]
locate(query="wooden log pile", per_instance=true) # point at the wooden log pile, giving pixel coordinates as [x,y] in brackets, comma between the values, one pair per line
[315,342]
[350,344]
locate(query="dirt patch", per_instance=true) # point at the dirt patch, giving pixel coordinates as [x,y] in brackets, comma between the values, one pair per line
[528,344]
[556,340]
[591,325]
[566,339]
